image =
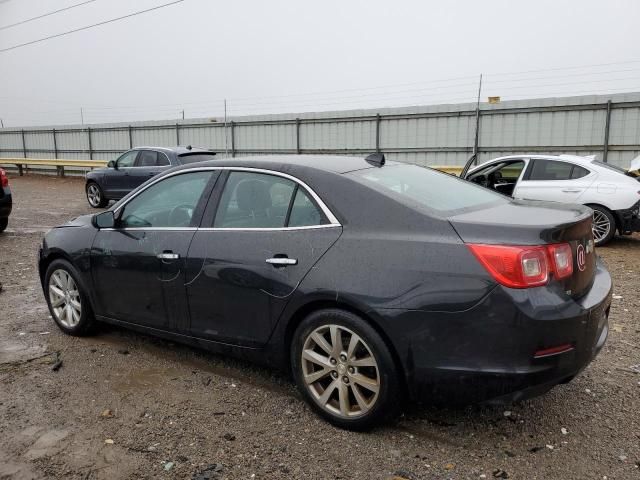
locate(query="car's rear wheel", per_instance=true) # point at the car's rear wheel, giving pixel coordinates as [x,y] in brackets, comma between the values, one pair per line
[95,195]
[68,302]
[3,224]
[604,225]
[344,369]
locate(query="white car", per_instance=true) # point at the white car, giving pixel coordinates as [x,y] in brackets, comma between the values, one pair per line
[612,192]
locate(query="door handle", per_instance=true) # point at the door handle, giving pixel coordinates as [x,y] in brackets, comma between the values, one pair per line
[571,190]
[282,261]
[168,256]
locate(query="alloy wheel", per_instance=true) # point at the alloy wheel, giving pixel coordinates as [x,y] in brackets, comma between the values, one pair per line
[65,298]
[340,371]
[93,195]
[601,226]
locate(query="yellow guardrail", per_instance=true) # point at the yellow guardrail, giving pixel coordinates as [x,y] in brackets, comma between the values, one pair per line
[60,164]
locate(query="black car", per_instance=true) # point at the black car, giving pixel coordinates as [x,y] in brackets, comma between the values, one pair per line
[135,167]
[5,200]
[370,281]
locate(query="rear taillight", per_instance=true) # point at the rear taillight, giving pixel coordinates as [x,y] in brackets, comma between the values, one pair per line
[4,180]
[525,266]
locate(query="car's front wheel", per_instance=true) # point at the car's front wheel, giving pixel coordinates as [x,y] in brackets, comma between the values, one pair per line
[604,225]
[68,302]
[95,195]
[344,369]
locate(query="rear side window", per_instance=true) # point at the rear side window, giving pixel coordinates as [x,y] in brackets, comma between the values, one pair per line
[147,158]
[554,170]
[304,212]
[439,192]
[196,157]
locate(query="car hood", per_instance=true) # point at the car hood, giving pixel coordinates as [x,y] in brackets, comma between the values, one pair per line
[81,221]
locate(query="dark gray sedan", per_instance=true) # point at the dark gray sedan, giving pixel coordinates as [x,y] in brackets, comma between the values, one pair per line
[135,167]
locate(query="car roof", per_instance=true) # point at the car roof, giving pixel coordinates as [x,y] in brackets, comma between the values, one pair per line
[568,158]
[178,150]
[328,163]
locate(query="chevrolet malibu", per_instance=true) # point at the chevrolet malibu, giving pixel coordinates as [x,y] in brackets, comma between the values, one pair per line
[370,281]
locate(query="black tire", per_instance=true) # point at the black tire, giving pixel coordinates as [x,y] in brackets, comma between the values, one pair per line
[382,407]
[600,215]
[96,197]
[3,224]
[86,321]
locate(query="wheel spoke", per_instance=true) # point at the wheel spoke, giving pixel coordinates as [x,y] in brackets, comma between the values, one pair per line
[363,362]
[366,382]
[58,280]
[321,342]
[316,358]
[57,302]
[343,398]
[336,340]
[315,376]
[362,403]
[353,343]
[324,398]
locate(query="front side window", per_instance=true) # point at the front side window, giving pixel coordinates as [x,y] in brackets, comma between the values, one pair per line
[422,187]
[127,159]
[168,203]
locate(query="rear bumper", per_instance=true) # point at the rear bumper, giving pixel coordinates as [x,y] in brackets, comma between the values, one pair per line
[486,354]
[629,219]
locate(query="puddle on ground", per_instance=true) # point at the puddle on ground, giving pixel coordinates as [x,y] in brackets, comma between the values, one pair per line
[143,379]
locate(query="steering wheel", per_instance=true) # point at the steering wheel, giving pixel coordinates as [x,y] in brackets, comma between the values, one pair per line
[180,215]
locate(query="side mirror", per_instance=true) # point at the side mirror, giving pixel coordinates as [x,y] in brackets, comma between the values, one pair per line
[112,164]
[104,220]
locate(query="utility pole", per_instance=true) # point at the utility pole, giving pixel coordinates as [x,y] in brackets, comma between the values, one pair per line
[183,113]
[1,123]
[475,143]
[81,116]
[226,148]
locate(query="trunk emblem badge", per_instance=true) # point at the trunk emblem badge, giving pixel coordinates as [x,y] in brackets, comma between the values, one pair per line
[581,258]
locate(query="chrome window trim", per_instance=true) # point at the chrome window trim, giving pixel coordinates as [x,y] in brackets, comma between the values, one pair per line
[212,229]
[333,221]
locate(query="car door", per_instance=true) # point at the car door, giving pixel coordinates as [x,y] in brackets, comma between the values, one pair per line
[266,231]
[554,180]
[138,267]
[117,180]
[148,164]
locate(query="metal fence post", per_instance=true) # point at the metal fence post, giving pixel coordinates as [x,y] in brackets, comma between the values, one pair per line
[24,151]
[377,133]
[55,144]
[177,134]
[90,146]
[130,137]
[605,149]
[297,135]
[233,140]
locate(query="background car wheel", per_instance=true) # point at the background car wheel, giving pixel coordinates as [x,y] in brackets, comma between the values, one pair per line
[95,195]
[3,224]
[68,303]
[344,369]
[604,225]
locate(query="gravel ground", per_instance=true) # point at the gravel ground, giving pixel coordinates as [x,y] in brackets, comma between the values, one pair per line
[124,405]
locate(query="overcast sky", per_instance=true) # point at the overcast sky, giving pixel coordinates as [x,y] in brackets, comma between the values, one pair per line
[295,56]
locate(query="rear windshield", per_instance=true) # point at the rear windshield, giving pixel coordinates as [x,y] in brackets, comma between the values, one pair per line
[196,157]
[424,187]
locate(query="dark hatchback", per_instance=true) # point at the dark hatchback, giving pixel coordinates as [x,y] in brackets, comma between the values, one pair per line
[369,281]
[6,203]
[133,168]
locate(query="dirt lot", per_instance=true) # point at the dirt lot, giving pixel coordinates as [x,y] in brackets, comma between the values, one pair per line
[124,405]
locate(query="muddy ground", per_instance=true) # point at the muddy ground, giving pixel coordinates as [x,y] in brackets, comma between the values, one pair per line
[124,405]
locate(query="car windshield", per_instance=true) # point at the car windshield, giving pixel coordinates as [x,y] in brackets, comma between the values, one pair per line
[423,187]
[196,157]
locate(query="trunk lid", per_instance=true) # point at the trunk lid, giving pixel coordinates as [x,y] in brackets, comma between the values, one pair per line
[536,223]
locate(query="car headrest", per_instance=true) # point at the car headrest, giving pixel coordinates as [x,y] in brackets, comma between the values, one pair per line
[253,195]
